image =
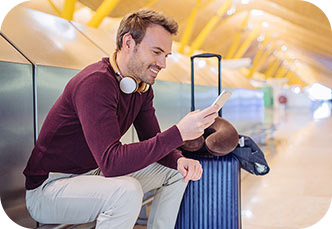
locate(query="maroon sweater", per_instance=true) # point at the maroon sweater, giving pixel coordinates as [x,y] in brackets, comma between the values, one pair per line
[82,130]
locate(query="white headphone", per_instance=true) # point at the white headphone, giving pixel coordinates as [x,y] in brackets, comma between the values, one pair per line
[128,84]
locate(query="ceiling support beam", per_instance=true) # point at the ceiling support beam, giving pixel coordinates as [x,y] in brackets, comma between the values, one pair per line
[294,79]
[209,27]
[292,73]
[291,78]
[237,38]
[272,68]
[189,28]
[288,74]
[203,7]
[103,10]
[68,9]
[55,8]
[247,42]
[281,71]
[261,56]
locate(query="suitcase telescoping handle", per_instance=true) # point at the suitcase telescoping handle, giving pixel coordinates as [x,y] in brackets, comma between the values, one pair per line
[204,55]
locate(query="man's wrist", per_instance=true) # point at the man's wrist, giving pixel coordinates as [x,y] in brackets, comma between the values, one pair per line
[179,132]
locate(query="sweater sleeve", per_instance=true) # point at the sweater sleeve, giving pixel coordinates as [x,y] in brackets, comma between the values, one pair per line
[147,126]
[95,102]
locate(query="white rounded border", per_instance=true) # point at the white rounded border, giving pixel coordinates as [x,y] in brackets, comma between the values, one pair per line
[324,5]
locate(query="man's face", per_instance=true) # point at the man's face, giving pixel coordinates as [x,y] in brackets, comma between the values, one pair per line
[149,57]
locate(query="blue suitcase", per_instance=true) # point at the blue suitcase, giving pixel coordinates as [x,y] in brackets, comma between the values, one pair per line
[213,202]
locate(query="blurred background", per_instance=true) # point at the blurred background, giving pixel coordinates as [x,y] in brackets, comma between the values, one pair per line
[276,60]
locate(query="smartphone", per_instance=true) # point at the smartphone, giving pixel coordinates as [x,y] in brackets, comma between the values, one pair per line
[222,99]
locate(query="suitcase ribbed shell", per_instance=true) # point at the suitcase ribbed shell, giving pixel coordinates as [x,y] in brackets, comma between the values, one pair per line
[214,201]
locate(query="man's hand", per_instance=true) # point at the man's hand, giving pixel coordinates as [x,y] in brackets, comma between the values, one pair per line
[190,169]
[194,123]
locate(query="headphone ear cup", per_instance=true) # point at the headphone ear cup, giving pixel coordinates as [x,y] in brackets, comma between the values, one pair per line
[128,84]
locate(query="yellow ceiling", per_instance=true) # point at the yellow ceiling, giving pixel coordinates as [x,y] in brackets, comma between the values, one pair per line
[300,34]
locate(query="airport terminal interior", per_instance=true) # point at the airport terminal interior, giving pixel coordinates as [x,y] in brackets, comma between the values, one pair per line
[276,61]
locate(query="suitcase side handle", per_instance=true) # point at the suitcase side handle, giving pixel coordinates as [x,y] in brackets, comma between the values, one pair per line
[204,55]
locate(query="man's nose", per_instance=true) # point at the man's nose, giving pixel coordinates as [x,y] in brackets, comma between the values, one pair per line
[162,62]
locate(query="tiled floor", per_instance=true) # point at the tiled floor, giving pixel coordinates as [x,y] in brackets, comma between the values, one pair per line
[297,192]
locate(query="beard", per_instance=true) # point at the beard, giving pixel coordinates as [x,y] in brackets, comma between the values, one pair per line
[139,69]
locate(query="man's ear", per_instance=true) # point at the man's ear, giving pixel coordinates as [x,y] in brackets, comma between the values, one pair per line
[128,42]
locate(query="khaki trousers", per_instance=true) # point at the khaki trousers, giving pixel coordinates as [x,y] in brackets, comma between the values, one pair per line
[113,202]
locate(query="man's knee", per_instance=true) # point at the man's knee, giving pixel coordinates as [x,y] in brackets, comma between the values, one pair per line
[129,193]
[133,190]
[122,208]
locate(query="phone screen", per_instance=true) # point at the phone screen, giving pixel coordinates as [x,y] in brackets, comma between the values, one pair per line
[222,99]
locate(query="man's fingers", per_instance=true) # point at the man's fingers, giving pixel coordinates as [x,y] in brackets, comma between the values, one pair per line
[210,123]
[190,169]
[190,174]
[198,172]
[183,171]
[209,110]
[209,119]
[195,111]
[194,172]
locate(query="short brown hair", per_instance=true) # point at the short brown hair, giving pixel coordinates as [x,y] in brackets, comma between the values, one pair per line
[136,24]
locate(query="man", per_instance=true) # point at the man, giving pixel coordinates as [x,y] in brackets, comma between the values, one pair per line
[79,171]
